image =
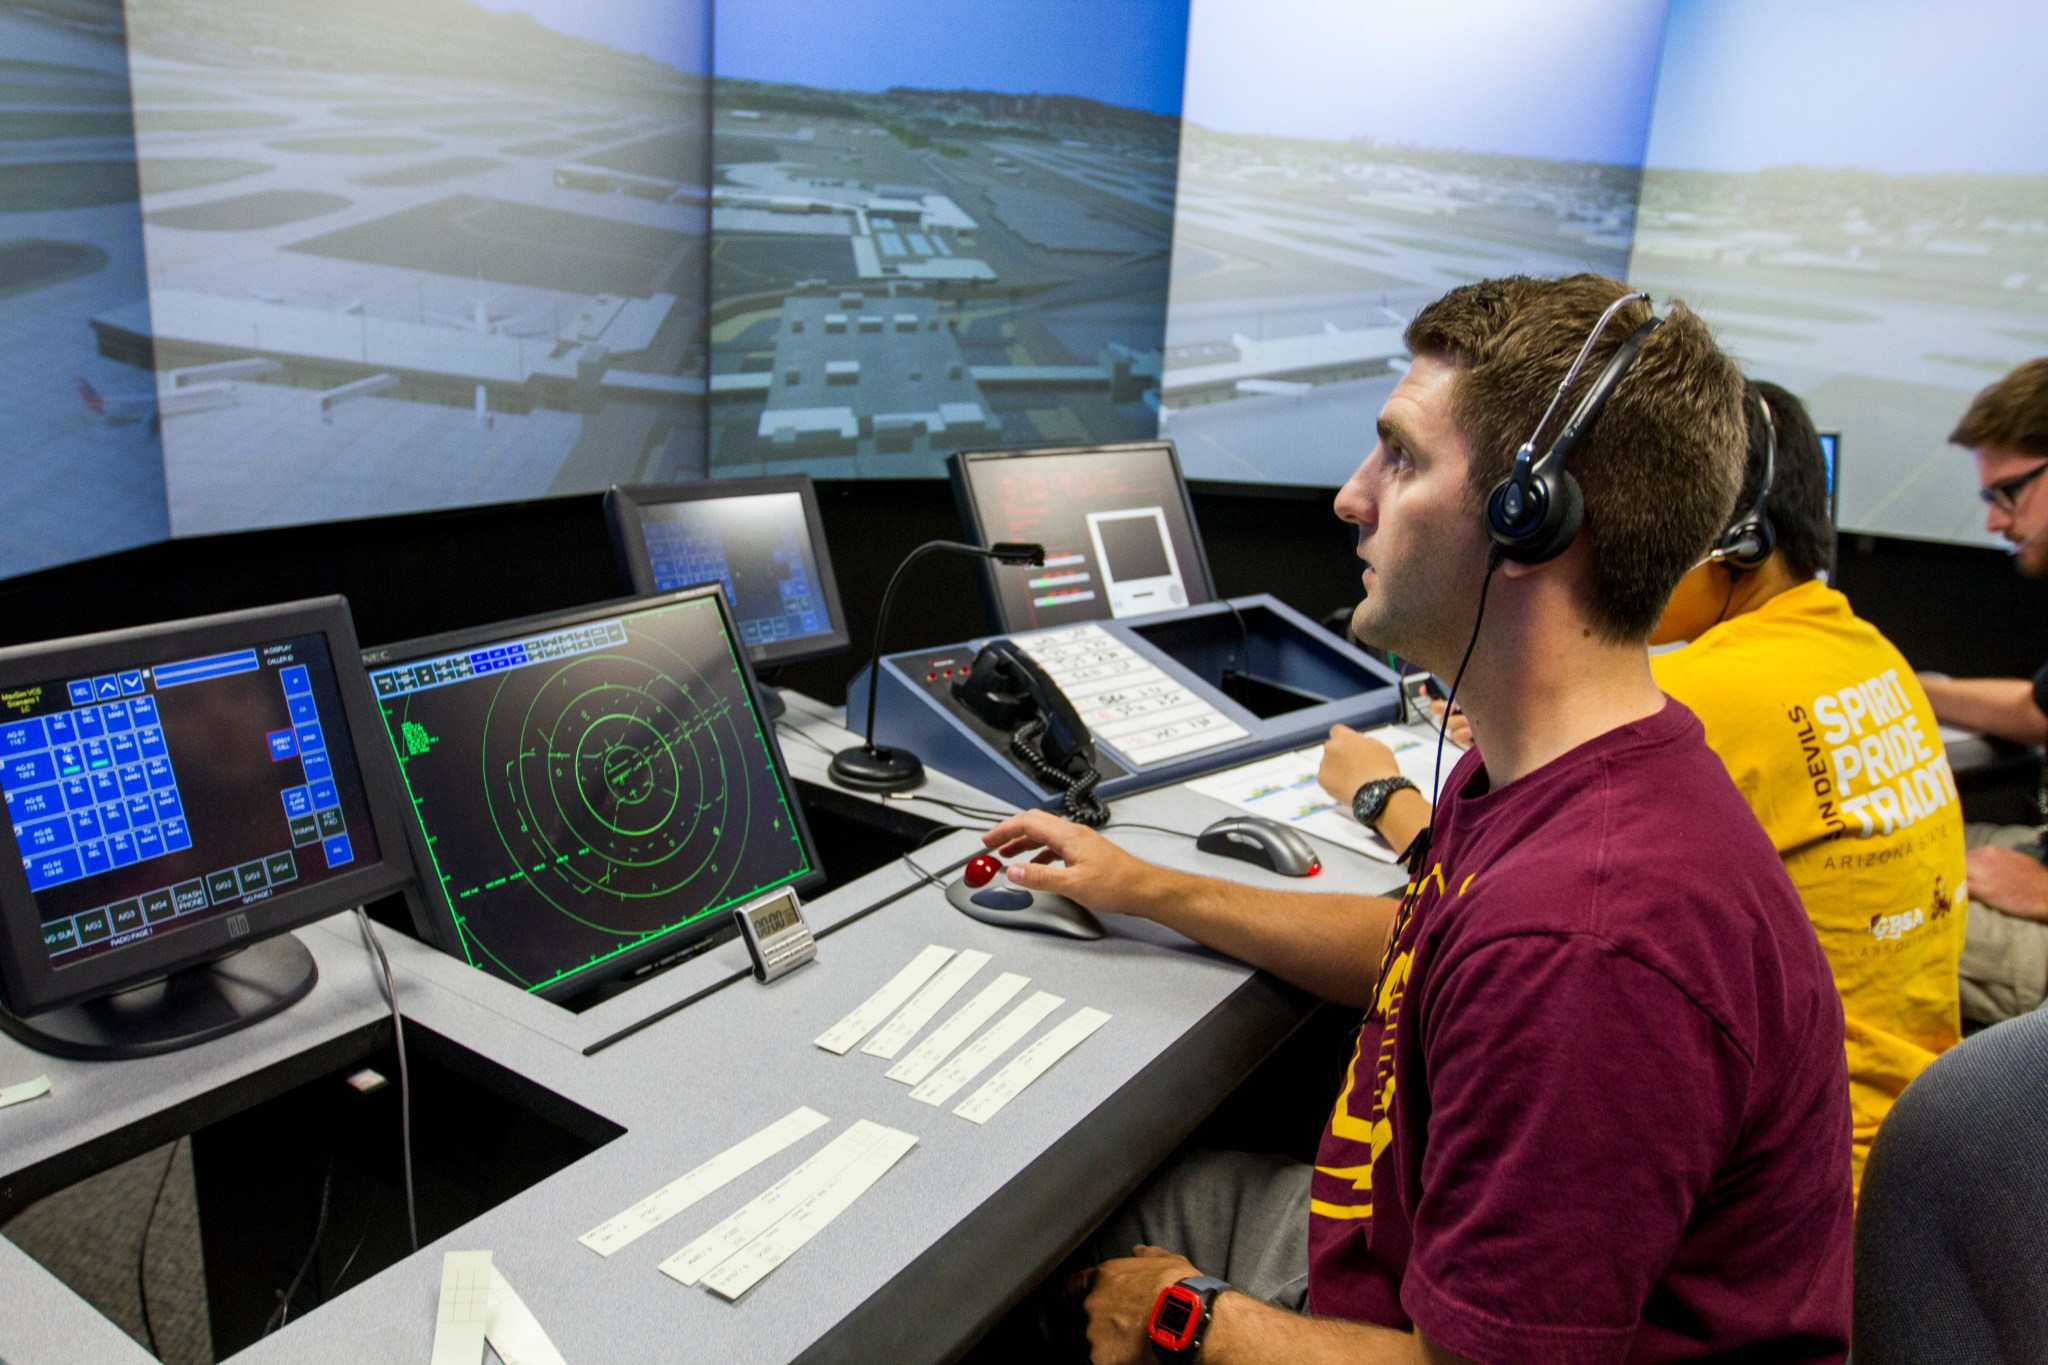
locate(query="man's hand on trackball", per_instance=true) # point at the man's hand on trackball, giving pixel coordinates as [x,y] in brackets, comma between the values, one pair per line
[1072,861]
[1120,1295]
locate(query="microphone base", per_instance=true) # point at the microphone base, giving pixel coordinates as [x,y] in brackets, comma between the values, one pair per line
[873,768]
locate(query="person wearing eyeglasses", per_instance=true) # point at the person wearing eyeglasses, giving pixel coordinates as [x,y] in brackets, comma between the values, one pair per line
[2005,953]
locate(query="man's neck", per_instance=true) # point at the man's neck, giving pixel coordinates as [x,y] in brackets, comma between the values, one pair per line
[1534,698]
[1757,586]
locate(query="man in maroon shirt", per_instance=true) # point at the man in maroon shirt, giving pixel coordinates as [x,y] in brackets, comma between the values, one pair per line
[1599,1109]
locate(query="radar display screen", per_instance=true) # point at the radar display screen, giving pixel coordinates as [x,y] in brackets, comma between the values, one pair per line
[593,792]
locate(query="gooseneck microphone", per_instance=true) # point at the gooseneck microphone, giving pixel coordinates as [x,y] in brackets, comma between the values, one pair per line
[874,768]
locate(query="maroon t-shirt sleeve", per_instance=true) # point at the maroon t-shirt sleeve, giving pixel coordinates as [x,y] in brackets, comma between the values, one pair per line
[1580,1104]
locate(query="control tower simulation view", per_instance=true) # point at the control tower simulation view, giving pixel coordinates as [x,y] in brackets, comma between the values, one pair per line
[1884,259]
[904,272]
[1343,164]
[85,467]
[413,253]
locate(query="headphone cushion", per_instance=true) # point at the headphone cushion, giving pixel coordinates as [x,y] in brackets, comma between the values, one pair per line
[1563,515]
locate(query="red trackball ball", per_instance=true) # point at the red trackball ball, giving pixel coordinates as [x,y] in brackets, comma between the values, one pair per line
[982,869]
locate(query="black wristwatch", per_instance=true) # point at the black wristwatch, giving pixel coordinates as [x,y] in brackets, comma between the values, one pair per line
[1371,801]
[1180,1317]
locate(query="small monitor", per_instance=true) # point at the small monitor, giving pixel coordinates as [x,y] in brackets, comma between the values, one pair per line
[761,538]
[1118,529]
[593,791]
[175,794]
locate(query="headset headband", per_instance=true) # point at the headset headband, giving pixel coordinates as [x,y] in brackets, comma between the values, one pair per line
[1533,514]
[1750,538]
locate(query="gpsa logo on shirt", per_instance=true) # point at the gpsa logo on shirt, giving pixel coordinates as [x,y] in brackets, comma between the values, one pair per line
[1896,926]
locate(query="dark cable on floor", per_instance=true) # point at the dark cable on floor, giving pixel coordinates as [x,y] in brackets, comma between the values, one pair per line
[282,1313]
[412,1217]
[142,1251]
[369,1218]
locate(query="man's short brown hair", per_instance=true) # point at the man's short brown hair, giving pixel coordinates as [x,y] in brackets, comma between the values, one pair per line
[2010,415]
[1660,466]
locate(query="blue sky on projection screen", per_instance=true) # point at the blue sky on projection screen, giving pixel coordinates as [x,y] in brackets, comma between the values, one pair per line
[938,227]
[1343,163]
[450,255]
[84,466]
[1880,246]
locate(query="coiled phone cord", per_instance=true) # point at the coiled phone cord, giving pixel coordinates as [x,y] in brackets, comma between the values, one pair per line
[1079,801]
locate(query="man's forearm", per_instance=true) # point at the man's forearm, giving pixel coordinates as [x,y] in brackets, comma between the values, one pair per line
[1997,706]
[1245,1331]
[1325,944]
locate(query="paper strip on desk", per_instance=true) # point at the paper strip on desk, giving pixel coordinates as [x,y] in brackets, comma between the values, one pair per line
[976,1057]
[615,1234]
[939,1044]
[747,1267]
[513,1331]
[700,1257]
[841,1037]
[929,1000]
[1028,1065]
[24,1090]
[465,1308]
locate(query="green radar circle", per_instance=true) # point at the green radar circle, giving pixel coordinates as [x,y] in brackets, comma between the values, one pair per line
[619,782]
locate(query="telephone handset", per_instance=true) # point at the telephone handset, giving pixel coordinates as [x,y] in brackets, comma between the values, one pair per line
[1008,690]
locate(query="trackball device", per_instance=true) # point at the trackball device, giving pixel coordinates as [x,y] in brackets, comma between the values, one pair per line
[977,894]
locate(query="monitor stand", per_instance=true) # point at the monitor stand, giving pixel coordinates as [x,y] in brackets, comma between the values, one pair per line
[184,1009]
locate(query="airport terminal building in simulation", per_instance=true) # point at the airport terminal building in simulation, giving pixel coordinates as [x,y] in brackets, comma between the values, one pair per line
[716,680]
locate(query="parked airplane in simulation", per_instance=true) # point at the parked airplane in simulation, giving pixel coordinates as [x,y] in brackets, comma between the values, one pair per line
[121,409]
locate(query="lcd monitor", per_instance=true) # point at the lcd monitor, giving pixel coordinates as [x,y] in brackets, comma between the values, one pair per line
[592,791]
[761,538]
[1119,532]
[177,794]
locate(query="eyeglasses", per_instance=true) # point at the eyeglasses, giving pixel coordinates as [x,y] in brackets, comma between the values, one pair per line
[2005,494]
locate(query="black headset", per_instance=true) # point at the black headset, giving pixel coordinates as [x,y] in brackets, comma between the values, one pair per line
[1750,538]
[1533,514]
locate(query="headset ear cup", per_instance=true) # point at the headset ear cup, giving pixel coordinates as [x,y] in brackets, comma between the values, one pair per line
[1563,513]
[1568,513]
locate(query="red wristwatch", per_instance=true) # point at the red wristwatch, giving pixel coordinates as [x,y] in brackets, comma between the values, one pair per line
[1180,1317]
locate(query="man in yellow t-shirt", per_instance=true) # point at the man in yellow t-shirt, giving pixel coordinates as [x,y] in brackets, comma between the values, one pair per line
[1831,740]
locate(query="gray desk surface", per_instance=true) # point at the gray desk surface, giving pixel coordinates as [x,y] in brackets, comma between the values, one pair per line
[683,1089]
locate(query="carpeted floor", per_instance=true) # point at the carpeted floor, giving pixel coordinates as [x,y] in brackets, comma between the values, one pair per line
[89,1235]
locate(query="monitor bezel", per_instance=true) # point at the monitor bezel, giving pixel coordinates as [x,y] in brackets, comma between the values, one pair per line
[1834,462]
[35,987]
[432,914]
[960,476]
[624,513]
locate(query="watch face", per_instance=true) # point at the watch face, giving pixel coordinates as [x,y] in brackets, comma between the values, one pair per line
[1174,1317]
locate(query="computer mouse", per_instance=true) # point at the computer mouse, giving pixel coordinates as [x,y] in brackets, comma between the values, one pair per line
[978,895]
[1262,843]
